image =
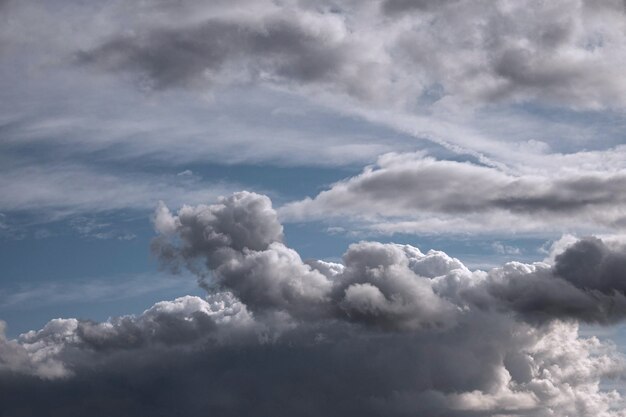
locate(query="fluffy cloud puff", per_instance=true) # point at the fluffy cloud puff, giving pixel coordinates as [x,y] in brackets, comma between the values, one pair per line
[387,285]
[375,283]
[414,193]
[390,330]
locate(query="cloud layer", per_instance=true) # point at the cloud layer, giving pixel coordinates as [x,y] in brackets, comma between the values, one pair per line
[456,52]
[414,193]
[510,83]
[390,330]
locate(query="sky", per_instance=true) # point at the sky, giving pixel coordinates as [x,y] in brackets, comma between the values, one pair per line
[296,207]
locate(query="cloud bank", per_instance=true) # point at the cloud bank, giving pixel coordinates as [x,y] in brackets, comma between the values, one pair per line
[455,52]
[220,82]
[388,331]
[416,194]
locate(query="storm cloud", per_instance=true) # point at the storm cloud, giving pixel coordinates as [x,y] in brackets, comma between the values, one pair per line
[337,372]
[388,331]
[383,285]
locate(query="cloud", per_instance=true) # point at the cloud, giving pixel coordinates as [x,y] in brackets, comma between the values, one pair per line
[393,7]
[183,321]
[591,264]
[537,293]
[61,190]
[503,249]
[382,285]
[240,240]
[25,297]
[291,46]
[213,83]
[347,374]
[390,330]
[90,228]
[417,194]
[564,53]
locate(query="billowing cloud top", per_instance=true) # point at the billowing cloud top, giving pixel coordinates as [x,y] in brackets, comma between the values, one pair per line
[389,331]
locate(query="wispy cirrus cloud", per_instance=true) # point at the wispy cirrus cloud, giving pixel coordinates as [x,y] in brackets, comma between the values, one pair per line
[63,292]
[69,189]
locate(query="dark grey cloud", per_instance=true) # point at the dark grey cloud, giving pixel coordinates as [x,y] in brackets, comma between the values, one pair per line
[240,239]
[159,325]
[538,294]
[389,331]
[376,283]
[279,47]
[386,285]
[243,220]
[381,285]
[590,264]
[345,374]
[329,368]
[410,187]
[395,7]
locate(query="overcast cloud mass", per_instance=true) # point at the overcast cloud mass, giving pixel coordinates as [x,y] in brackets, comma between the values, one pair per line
[304,161]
